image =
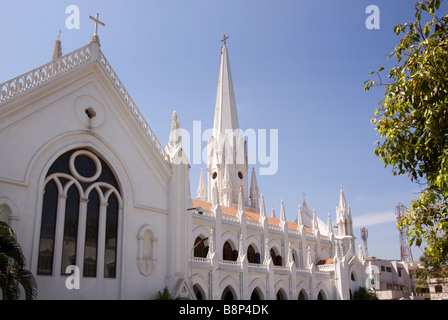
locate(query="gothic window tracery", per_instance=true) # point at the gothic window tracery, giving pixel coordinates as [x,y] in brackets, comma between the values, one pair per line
[81,204]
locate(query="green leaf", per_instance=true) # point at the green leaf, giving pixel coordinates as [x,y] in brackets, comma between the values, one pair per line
[412,121]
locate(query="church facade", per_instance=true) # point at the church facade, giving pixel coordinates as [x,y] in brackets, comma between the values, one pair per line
[103,211]
[242,253]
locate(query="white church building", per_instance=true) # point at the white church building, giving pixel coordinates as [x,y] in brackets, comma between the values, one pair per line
[85,182]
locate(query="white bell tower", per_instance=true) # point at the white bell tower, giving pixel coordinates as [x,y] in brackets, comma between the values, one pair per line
[227,150]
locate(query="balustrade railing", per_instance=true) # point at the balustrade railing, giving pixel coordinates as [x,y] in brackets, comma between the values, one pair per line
[43,74]
[131,105]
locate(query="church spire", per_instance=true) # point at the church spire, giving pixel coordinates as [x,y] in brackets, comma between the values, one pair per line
[226,116]
[227,149]
[202,192]
[254,192]
[57,50]
[342,201]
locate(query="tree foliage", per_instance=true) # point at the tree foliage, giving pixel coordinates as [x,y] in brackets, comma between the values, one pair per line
[428,269]
[363,294]
[412,122]
[13,274]
[165,295]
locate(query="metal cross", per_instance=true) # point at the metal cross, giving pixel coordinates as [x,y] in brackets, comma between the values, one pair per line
[224,39]
[97,21]
[304,195]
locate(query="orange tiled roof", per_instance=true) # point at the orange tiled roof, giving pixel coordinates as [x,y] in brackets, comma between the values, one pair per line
[328,261]
[250,214]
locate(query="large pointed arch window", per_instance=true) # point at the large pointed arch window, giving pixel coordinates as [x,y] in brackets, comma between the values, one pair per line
[80,216]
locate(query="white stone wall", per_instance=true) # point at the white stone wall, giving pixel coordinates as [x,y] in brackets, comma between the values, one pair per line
[212,275]
[38,126]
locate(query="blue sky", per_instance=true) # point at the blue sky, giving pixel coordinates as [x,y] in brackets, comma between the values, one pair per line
[297,66]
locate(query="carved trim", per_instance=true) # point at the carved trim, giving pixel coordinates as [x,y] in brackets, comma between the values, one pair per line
[43,74]
[131,105]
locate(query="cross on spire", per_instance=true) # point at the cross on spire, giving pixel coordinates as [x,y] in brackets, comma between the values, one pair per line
[97,21]
[304,196]
[224,39]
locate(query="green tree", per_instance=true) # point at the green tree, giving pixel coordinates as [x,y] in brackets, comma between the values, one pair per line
[412,122]
[165,295]
[13,274]
[428,269]
[363,294]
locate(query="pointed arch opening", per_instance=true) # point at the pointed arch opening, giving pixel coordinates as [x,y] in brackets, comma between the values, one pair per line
[276,258]
[321,295]
[252,255]
[302,295]
[200,248]
[256,294]
[228,294]
[228,253]
[199,292]
[281,295]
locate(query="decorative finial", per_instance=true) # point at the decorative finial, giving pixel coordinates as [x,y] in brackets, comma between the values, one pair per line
[57,50]
[224,39]
[59,35]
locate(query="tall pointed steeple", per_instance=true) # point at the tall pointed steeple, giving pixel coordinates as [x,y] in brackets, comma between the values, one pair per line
[342,201]
[226,149]
[202,192]
[254,192]
[226,116]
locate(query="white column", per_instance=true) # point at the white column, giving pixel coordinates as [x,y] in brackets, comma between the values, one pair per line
[81,235]
[101,243]
[59,235]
